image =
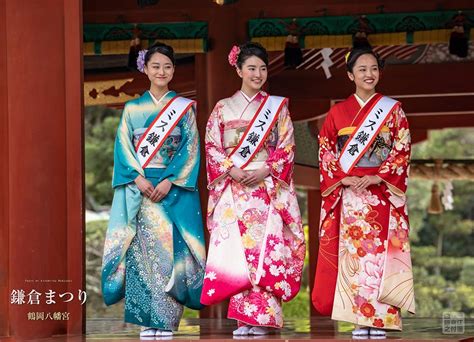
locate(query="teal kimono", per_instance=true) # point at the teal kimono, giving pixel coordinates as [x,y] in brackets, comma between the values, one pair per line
[154,253]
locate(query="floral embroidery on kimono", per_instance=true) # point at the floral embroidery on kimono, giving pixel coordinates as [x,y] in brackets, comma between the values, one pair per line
[154,253]
[257,246]
[364,272]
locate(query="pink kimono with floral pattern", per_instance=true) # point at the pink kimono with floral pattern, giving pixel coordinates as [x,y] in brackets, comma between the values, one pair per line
[257,246]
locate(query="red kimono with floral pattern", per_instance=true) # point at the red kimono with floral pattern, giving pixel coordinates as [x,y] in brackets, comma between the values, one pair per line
[256,248]
[364,273]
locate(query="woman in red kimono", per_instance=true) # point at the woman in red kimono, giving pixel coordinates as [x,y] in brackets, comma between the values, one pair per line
[364,273]
[256,248]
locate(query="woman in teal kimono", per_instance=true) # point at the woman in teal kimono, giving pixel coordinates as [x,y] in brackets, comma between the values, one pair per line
[154,252]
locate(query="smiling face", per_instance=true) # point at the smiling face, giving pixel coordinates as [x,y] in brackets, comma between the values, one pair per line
[254,74]
[365,73]
[160,70]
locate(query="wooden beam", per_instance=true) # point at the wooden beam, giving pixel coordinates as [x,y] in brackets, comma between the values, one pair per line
[438,103]
[112,11]
[418,135]
[184,82]
[412,79]
[441,120]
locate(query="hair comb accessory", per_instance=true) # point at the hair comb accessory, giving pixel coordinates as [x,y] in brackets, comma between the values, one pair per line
[347,56]
[234,55]
[141,60]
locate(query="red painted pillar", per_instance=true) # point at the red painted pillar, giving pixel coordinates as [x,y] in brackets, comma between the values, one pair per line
[42,166]
[4,172]
[215,80]
[74,109]
[225,30]
[314,211]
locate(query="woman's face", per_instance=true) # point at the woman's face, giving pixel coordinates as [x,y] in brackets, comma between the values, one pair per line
[365,73]
[253,73]
[159,69]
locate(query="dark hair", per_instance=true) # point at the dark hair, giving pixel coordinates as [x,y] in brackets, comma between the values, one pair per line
[160,48]
[357,52]
[250,49]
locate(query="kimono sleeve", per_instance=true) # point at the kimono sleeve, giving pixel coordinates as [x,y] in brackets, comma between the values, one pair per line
[281,160]
[330,170]
[394,170]
[218,164]
[126,164]
[183,170]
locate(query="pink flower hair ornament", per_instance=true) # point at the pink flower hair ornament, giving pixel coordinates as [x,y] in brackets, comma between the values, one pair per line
[234,55]
[141,60]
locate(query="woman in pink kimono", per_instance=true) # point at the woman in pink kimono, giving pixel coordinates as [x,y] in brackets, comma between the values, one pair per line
[257,248]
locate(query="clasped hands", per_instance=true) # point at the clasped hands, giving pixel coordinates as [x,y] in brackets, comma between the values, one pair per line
[155,194]
[360,183]
[249,178]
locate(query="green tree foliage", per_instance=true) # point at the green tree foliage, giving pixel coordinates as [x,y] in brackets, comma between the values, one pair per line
[442,252]
[467,273]
[449,143]
[100,128]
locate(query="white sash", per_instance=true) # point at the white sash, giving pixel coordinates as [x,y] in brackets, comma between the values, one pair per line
[258,130]
[156,134]
[366,133]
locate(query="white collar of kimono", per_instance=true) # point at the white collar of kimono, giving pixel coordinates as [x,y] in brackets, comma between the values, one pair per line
[249,99]
[362,103]
[161,98]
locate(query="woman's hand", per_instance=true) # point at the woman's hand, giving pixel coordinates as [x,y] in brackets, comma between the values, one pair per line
[350,181]
[161,190]
[255,177]
[144,185]
[237,174]
[366,181]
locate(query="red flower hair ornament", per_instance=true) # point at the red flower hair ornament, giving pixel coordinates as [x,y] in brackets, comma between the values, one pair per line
[234,55]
